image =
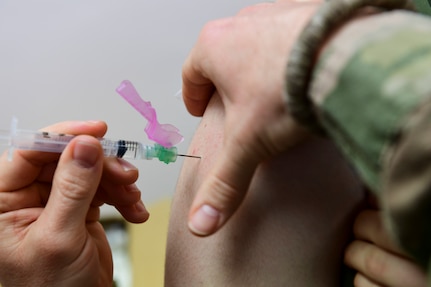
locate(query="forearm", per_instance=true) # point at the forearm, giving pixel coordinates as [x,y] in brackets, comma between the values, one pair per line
[370,88]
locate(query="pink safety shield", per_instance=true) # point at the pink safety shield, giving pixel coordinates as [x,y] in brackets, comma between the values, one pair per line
[164,134]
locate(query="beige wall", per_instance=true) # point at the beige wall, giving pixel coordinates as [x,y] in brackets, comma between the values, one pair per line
[147,246]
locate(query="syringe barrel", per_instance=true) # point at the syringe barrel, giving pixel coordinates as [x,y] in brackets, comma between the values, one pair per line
[52,142]
[43,141]
[124,149]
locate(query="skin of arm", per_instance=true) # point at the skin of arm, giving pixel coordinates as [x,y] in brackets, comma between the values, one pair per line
[290,230]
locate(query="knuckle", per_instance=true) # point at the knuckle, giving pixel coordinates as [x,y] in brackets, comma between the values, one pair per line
[349,254]
[213,31]
[360,280]
[208,30]
[375,264]
[254,8]
[71,187]
[224,196]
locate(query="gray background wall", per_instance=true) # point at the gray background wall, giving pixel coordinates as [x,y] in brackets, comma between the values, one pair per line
[62,60]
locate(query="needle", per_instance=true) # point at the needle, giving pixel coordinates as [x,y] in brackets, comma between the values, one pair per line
[187,155]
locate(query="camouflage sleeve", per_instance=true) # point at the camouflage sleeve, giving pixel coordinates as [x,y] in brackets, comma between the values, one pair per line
[423,6]
[372,93]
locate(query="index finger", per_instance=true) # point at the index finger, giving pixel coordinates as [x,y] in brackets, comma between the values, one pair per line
[205,67]
[196,89]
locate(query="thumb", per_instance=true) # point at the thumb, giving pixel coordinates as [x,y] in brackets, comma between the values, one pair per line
[221,192]
[75,182]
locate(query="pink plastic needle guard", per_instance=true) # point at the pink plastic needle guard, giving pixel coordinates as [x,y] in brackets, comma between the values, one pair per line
[164,134]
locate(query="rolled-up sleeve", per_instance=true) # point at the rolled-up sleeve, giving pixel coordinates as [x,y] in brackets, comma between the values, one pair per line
[371,91]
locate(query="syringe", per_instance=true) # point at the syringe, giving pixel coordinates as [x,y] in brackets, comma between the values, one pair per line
[53,142]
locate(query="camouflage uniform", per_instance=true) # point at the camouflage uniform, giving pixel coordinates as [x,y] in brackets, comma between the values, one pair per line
[423,6]
[371,90]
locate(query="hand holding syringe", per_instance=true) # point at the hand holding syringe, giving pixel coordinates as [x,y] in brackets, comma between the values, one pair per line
[52,142]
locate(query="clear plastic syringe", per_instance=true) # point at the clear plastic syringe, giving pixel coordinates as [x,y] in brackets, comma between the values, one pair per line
[53,142]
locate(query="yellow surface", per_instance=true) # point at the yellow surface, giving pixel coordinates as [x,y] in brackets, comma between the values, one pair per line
[147,246]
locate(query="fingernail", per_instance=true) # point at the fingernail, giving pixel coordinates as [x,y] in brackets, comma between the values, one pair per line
[140,206]
[86,154]
[132,188]
[127,166]
[204,221]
